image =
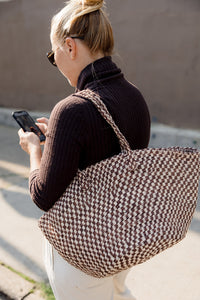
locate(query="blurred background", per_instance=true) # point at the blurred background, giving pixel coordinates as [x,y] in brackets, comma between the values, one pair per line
[157,47]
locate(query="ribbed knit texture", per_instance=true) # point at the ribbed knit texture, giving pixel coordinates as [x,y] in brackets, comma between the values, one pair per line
[78,136]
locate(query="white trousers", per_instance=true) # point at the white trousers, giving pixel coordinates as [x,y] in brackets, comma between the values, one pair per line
[69,283]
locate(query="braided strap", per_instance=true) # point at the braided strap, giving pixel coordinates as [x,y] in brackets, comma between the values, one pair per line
[95,99]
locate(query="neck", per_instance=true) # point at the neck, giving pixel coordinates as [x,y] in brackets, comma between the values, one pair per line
[85,58]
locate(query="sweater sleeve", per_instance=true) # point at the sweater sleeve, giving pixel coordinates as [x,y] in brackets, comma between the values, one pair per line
[60,159]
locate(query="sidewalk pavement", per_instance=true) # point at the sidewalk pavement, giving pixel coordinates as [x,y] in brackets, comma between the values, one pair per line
[172,275]
[13,286]
[20,238]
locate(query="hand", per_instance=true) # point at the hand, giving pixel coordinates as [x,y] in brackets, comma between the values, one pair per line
[29,142]
[43,124]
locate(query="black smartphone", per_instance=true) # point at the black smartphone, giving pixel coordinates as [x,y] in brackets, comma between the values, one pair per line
[27,123]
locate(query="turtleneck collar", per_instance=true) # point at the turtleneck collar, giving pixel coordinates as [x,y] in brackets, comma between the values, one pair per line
[101,69]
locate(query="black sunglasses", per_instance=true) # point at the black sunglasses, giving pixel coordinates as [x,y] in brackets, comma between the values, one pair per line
[50,55]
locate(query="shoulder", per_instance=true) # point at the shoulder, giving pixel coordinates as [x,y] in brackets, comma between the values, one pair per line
[73,105]
[72,112]
[70,103]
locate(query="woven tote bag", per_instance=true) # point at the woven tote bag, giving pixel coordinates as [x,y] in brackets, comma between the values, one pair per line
[123,210]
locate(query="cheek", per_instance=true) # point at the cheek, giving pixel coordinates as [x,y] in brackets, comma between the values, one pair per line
[61,63]
[65,67]
[58,59]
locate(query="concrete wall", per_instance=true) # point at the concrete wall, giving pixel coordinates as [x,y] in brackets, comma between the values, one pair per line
[157,47]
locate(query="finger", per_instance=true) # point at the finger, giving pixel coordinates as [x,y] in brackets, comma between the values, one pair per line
[43,120]
[20,132]
[26,134]
[43,127]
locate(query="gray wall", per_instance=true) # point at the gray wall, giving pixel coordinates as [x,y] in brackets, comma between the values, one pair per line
[157,47]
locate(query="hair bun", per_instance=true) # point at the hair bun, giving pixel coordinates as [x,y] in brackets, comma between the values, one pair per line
[95,3]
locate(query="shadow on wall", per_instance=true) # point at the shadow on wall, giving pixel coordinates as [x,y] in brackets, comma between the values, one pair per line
[28,80]
[159,46]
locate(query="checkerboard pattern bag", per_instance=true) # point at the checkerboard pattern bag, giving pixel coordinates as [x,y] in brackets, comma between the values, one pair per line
[123,210]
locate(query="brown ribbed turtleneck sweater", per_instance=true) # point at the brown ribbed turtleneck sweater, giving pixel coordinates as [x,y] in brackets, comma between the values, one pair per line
[78,136]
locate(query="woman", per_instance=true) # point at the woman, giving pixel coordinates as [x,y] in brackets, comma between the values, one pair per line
[76,134]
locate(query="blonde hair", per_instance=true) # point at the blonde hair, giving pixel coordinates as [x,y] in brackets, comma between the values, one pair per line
[86,19]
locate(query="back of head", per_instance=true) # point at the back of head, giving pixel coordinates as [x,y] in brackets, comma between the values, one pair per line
[86,19]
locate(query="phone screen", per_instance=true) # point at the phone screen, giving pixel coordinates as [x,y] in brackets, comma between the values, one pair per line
[28,124]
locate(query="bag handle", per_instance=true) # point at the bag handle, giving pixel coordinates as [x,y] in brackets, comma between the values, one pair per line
[95,99]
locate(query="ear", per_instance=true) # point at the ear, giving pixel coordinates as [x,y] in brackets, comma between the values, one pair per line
[71,48]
